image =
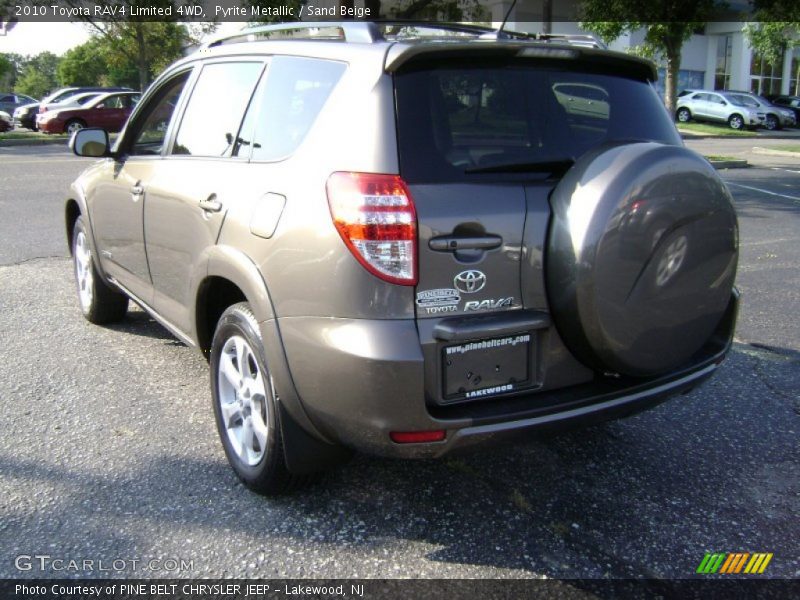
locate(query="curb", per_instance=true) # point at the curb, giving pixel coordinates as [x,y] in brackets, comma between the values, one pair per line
[689,135]
[32,142]
[729,164]
[686,135]
[758,150]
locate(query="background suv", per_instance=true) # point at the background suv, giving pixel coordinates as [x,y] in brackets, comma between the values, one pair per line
[791,103]
[408,247]
[10,102]
[775,117]
[722,107]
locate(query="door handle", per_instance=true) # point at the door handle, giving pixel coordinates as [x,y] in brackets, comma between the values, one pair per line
[211,204]
[451,243]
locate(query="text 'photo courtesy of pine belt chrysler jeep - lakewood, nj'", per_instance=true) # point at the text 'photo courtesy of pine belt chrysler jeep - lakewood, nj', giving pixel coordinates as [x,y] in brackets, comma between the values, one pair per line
[409,241]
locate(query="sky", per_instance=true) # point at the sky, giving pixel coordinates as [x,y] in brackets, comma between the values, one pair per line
[32,38]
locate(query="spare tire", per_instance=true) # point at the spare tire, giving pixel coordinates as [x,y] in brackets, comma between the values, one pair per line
[641,257]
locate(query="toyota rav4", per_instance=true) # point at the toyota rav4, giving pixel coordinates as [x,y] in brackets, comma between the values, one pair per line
[406,242]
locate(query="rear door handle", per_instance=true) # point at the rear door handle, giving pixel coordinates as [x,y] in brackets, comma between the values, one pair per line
[211,204]
[451,243]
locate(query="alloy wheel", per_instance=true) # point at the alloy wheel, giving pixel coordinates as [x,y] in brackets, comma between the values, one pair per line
[242,398]
[84,271]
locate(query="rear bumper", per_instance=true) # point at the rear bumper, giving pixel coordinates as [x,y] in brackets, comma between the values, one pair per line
[359,380]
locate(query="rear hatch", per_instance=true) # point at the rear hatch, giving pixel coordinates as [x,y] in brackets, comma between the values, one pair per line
[482,144]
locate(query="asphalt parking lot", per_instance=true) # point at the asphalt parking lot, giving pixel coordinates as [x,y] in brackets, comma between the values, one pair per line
[109,450]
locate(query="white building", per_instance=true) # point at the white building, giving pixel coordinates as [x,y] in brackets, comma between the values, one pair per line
[719,57]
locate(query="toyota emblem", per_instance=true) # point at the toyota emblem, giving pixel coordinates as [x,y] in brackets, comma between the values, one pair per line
[469,282]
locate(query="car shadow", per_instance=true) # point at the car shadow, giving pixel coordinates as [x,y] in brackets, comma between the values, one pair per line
[138,322]
[642,497]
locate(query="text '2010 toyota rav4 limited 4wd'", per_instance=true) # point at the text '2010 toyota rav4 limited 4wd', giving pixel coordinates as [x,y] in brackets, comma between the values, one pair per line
[406,244]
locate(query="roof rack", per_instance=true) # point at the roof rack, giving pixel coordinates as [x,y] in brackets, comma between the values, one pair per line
[368,32]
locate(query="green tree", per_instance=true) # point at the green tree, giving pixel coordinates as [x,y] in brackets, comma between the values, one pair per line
[775,31]
[150,45]
[663,37]
[7,72]
[83,65]
[34,83]
[37,74]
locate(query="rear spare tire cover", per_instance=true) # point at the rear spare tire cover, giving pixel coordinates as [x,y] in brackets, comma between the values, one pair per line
[641,256]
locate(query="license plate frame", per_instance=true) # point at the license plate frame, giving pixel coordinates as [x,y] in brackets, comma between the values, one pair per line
[478,369]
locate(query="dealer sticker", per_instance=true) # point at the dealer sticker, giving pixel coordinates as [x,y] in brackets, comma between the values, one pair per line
[440,297]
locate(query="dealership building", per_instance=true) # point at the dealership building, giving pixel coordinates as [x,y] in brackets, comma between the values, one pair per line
[717,57]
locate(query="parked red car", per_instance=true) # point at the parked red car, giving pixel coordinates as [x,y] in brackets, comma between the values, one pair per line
[109,111]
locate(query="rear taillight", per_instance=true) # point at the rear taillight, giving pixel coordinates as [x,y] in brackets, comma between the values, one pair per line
[375,216]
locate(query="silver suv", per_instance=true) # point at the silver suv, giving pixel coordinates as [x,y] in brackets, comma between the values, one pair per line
[406,246]
[722,107]
[775,117]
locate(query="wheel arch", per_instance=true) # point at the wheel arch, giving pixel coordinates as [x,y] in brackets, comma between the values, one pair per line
[233,277]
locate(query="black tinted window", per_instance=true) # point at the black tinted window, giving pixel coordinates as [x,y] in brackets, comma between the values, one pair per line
[454,122]
[211,121]
[296,90]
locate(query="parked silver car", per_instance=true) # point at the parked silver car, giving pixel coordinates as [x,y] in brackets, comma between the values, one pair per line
[721,107]
[775,117]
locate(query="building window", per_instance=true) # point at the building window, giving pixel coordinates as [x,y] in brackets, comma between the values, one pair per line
[765,76]
[794,74]
[722,75]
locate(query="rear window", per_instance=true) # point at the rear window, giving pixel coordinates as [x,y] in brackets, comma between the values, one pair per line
[455,123]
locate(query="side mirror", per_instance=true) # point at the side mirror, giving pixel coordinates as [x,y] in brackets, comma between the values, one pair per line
[90,142]
[724,103]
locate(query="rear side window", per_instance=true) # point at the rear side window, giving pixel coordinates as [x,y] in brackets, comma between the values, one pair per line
[214,112]
[296,90]
[455,122]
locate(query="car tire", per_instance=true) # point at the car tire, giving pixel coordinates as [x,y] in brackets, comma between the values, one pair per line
[245,409]
[74,125]
[771,123]
[684,115]
[736,122]
[100,304]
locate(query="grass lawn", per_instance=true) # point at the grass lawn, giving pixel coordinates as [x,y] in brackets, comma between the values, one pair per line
[717,157]
[32,135]
[789,148]
[722,130]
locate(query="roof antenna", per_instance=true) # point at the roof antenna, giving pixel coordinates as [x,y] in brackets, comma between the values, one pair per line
[496,35]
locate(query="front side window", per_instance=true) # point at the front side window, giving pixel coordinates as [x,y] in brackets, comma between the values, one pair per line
[295,92]
[150,128]
[210,123]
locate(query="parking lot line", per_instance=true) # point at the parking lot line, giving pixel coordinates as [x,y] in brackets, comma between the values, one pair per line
[784,169]
[755,189]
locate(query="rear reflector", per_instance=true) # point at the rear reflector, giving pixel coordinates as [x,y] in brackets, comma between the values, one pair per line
[417,437]
[375,216]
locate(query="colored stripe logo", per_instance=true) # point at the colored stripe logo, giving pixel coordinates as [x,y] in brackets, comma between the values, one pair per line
[734,562]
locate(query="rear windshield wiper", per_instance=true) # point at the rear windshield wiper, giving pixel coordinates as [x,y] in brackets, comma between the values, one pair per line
[553,167]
